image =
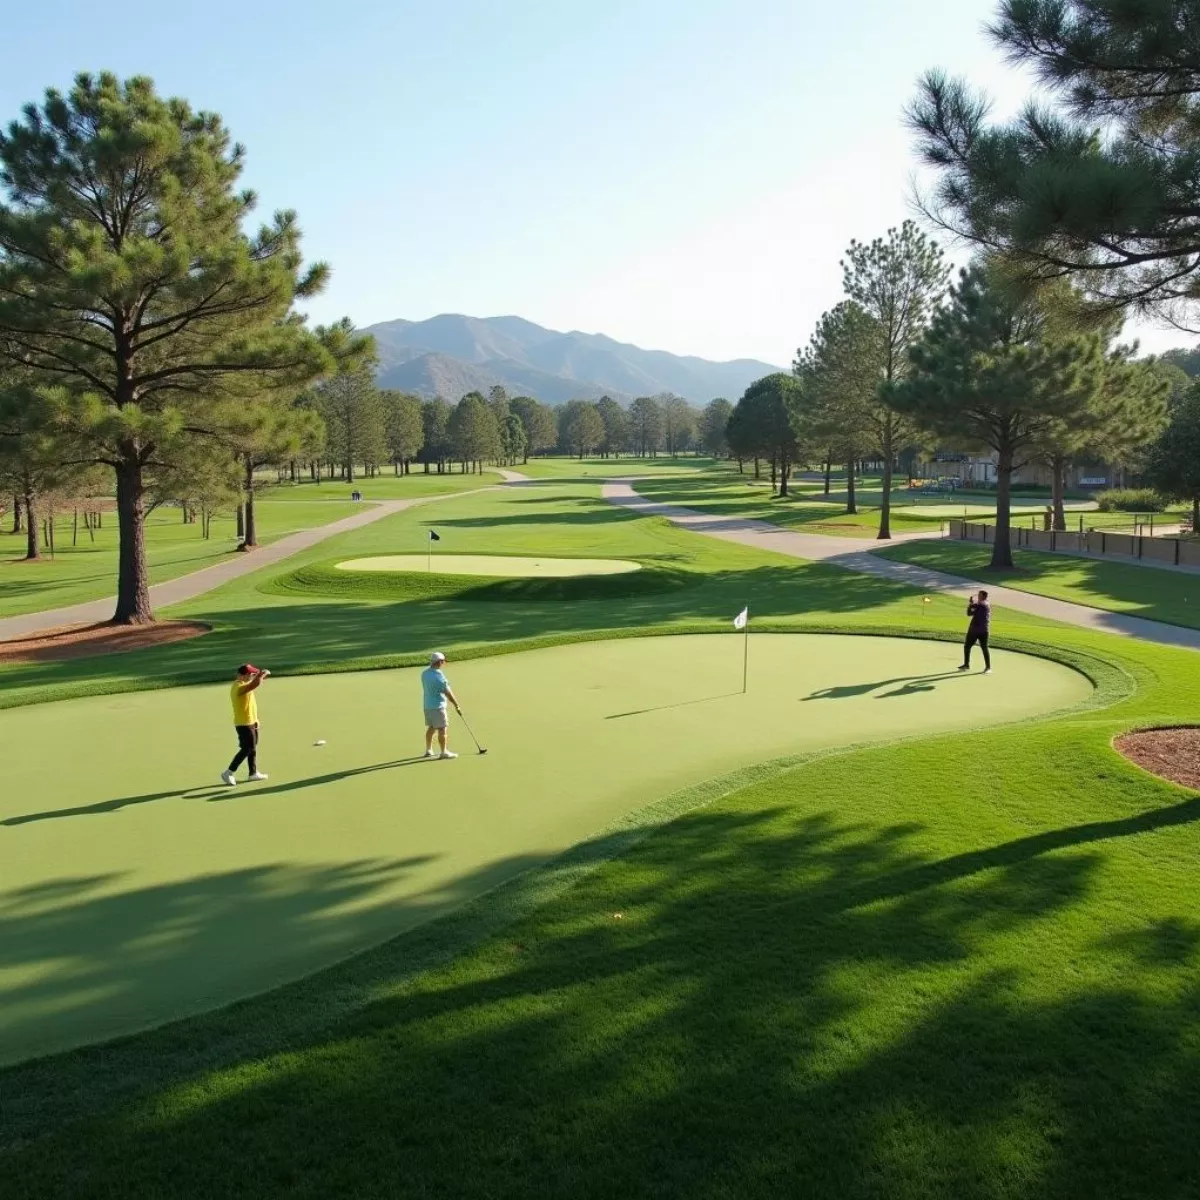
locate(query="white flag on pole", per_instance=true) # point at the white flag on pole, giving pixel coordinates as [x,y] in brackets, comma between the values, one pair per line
[739,622]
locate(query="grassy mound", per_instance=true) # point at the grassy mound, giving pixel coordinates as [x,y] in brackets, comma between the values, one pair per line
[327,579]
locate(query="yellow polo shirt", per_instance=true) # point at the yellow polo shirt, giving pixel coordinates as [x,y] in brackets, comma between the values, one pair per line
[245,704]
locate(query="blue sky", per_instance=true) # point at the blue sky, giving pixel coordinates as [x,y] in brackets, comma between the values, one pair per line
[682,174]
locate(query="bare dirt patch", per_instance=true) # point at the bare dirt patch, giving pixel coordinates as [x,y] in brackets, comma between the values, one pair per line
[1172,754]
[84,641]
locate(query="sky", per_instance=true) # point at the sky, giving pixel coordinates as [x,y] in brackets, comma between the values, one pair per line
[681,174]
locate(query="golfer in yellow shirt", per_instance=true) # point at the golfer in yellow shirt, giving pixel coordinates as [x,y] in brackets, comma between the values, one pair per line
[245,721]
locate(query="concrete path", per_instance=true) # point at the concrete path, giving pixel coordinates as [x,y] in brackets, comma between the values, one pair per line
[849,553]
[188,587]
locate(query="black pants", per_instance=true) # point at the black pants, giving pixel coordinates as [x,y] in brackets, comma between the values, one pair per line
[975,636]
[247,748]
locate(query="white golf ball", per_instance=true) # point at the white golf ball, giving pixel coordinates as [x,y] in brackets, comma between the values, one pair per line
[319,742]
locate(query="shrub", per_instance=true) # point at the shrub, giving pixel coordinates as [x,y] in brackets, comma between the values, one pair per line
[1132,500]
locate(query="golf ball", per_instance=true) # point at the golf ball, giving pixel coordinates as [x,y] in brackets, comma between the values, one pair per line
[319,742]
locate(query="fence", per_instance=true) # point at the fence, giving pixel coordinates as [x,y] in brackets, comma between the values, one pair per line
[1096,542]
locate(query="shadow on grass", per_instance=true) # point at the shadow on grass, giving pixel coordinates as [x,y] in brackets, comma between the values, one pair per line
[763,1003]
[911,683]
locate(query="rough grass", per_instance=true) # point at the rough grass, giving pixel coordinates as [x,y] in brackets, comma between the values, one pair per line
[88,570]
[1152,592]
[965,966]
[808,510]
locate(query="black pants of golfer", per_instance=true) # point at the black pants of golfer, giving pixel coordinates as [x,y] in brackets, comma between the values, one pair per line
[247,748]
[975,636]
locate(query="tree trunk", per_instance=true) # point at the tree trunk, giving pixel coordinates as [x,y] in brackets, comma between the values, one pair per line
[16,528]
[885,509]
[241,522]
[32,546]
[828,474]
[1196,515]
[757,468]
[250,534]
[133,588]
[851,499]
[1002,559]
[785,470]
[1058,488]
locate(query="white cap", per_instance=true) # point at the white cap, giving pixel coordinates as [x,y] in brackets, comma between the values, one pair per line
[436,657]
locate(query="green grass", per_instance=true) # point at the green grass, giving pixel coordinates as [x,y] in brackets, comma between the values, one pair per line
[608,468]
[808,510]
[960,966]
[1154,593]
[218,910]
[88,570]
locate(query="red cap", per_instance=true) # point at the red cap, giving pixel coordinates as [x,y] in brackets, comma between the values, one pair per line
[248,669]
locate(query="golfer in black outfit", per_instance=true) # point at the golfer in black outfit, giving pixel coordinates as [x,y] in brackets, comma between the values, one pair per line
[980,612]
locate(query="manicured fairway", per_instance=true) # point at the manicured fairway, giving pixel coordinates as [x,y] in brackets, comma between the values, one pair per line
[137,889]
[494,565]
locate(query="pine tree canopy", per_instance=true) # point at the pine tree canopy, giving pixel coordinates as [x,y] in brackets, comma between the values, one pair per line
[1103,183]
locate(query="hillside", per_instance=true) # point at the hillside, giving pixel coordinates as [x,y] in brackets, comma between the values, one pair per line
[451,354]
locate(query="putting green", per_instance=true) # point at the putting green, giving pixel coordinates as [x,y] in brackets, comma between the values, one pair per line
[494,565]
[135,891]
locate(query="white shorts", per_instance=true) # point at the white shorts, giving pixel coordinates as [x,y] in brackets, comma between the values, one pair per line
[436,718]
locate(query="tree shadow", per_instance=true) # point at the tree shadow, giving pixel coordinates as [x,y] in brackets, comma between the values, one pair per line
[753,1003]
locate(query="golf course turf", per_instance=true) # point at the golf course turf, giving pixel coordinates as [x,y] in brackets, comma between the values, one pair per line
[198,894]
[958,962]
[495,565]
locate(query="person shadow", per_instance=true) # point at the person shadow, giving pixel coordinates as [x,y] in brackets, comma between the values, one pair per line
[909,685]
[212,793]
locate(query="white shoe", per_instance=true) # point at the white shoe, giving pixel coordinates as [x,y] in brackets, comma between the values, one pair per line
[227,777]
[430,754]
[988,671]
[447,754]
[257,777]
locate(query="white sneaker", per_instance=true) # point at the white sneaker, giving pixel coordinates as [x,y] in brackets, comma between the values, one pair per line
[227,777]
[988,671]
[257,777]
[430,754]
[447,754]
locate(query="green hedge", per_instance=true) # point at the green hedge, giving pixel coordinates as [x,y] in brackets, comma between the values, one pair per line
[326,579]
[1132,500]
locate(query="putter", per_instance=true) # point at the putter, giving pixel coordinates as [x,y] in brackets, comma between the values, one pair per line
[463,718]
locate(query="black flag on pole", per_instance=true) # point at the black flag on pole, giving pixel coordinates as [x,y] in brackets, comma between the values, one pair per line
[433,536]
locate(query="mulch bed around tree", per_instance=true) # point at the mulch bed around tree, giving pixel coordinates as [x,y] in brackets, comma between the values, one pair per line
[84,641]
[1173,754]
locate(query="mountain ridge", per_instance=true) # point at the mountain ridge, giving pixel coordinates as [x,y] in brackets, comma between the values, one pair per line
[452,350]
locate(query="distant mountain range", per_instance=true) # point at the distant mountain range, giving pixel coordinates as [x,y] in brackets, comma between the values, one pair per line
[451,354]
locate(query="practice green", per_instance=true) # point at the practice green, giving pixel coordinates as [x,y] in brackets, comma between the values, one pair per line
[137,889]
[494,565]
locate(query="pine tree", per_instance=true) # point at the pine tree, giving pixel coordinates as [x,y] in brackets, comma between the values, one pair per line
[435,436]
[714,424]
[896,281]
[355,420]
[472,432]
[405,429]
[616,427]
[646,426]
[992,370]
[539,424]
[127,281]
[1173,464]
[1101,183]
[580,427]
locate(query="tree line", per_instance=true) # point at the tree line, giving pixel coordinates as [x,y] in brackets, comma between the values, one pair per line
[151,348]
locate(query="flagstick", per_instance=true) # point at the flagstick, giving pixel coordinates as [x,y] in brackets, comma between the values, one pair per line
[746,653]
[429,555]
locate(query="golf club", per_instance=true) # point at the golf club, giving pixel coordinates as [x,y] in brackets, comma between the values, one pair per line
[478,747]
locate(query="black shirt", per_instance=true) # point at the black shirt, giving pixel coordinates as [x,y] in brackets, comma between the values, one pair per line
[980,612]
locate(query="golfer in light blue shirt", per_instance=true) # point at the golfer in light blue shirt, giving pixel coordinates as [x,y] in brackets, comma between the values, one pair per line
[435,688]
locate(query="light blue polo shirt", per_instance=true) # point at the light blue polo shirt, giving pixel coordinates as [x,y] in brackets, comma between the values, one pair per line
[434,685]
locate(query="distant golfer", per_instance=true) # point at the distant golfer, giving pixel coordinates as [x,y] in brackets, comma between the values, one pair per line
[980,612]
[435,688]
[245,721]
